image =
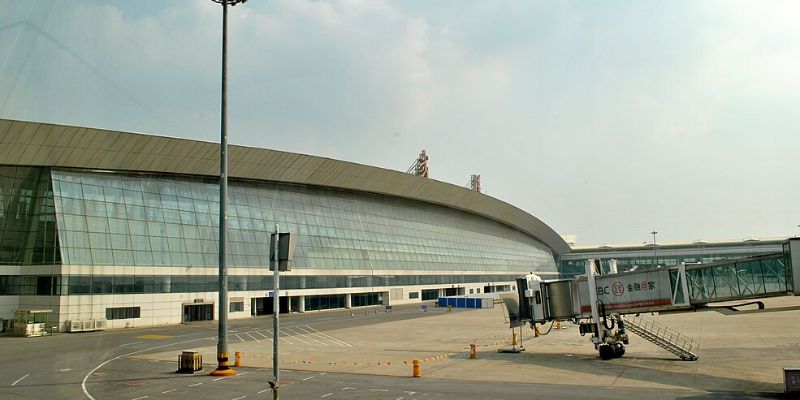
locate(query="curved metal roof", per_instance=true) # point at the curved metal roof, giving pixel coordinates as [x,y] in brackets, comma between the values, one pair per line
[40,144]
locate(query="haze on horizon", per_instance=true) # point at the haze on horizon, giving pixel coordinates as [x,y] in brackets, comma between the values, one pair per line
[606,120]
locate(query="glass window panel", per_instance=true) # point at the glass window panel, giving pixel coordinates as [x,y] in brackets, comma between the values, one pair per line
[122,257]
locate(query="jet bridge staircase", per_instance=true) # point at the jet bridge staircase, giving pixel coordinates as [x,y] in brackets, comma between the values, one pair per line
[662,336]
[614,304]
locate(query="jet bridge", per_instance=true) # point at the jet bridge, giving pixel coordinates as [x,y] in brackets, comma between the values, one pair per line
[601,304]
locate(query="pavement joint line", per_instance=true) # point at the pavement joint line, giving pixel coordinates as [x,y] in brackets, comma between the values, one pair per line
[20,379]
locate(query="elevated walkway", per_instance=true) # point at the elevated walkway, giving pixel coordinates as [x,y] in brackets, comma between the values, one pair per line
[761,276]
[692,286]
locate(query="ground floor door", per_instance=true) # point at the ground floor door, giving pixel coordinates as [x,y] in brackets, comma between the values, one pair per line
[264,305]
[198,312]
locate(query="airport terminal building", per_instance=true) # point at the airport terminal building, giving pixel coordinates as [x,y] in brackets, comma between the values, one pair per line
[98,224]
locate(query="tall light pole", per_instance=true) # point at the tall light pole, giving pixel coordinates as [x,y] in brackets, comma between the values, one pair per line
[222,337]
[655,259]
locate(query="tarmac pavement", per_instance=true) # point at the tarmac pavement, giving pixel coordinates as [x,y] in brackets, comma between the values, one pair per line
[738,353]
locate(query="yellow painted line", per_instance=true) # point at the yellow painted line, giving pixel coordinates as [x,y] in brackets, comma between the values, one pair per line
[154,337]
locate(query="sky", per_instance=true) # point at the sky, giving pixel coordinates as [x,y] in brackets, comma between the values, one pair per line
[606,120]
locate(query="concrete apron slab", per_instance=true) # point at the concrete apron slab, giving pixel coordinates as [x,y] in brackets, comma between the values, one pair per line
[737,353]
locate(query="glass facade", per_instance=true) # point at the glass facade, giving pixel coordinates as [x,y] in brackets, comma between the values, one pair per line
[148,220]
[27,217]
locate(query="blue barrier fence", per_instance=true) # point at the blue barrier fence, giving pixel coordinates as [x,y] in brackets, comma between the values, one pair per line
[465,302]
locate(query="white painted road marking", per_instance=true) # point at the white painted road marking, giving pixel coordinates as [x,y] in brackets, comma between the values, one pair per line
[140,398]
[325,395]
[219,379]
[88,374]
[265,336]
[307,336]
[379,390]
[335,340]
[239,398]
[297,337]
[310,377]
[252,337]
[265,390]
[168,391]
[18,380]
[129,344]
[196,384]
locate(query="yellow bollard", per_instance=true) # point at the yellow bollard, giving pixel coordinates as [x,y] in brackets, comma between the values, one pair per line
[536,331]
[415,370]
[558,324]
[473,351]
[513,338]
[238,362]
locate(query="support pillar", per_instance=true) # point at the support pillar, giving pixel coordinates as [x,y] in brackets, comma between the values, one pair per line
[348,301]
[301,303]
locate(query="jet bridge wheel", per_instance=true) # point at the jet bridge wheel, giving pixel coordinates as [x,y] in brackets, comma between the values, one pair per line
[609,351]
[606,351]
[619,350]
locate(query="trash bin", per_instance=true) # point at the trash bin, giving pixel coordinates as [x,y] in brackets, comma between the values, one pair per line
[189,362]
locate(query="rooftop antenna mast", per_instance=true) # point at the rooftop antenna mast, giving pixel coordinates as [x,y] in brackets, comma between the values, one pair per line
[420,166]
[474,183]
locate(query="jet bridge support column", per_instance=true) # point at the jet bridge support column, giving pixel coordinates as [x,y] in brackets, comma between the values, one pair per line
[590,274]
